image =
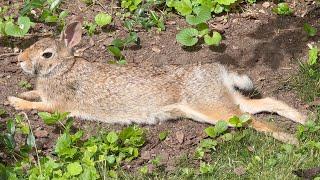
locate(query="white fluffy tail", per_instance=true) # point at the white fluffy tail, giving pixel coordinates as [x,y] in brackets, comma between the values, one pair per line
[253,106]
[232,80]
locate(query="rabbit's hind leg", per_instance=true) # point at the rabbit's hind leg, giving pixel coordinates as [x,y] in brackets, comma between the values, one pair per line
[21,104]
[30,95]
[254,106]
[224,113]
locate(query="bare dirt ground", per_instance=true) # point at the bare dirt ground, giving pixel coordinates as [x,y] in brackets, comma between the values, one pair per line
[265,46]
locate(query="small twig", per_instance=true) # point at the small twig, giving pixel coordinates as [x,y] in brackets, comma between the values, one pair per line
[8,55]
[35,145]
[62,125]
[102,6]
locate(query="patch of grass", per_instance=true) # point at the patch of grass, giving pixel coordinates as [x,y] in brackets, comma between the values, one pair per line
[258,155]
[307,82]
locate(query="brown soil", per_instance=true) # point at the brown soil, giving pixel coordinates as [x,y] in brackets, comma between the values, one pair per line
[265,46]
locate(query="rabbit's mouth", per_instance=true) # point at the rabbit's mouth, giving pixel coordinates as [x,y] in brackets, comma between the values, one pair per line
[26,68]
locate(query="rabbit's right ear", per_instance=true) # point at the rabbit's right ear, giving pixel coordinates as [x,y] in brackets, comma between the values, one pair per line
[72,34]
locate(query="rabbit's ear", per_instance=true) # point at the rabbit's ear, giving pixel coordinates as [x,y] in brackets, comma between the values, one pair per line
[73,32]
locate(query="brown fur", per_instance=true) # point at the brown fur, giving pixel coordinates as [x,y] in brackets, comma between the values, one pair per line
[126,94]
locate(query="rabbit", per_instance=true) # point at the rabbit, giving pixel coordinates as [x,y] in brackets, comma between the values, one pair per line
[131,94]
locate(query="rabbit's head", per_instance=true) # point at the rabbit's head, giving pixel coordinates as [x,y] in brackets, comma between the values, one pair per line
[48,54]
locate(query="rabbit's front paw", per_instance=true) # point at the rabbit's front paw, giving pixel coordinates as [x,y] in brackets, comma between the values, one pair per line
[19,104]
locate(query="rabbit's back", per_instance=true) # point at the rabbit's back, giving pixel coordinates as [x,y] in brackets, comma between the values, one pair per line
[127,94]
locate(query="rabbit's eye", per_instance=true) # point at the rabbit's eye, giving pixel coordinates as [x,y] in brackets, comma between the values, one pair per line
[47,55]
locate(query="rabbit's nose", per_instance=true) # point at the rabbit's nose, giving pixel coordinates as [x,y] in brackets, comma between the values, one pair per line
[24,56]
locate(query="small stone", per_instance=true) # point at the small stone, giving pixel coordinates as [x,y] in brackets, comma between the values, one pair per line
[34,112]
[146,155]
[266,4]
[155,49]
[40,133]
[6,103]
[180,136]
[164,157]
[262,11]
[171,22]
[16,50]
[239,170]
[251,148]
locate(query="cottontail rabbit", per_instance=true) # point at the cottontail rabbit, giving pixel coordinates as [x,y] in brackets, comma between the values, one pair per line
[126,94]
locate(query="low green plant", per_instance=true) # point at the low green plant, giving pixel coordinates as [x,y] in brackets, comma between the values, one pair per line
[76,158]
[17,127]
[163,135]
[118,44]
[100,20]
[10,27]
[282,9]
[313,55]
[25,85]
[131,5]
[190,36]
[240,121]
[311,31]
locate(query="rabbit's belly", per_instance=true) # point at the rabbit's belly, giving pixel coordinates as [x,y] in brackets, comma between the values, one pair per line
[150,117]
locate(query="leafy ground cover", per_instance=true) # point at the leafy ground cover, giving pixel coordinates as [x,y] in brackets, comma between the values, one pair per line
[276,44]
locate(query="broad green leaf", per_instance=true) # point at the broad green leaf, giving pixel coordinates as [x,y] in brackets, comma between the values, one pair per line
[203,29]
[282,9]
[132,38]
[112,137]
[11,126]
[115,51]
[54,4]
[51,19]
[215,39]
[163,135]
[25,129]
[210,131]
[118,43]
[63,15]
[113,174]
[218,9]
[74,169]
[47,118]
[208,144]
[227,137]
[122,62]
[220,127]
[188,36]
[184,7]
[235,121]
[244,118]
[2,111]
[9,141]
[52,118]
[226,2]
[31,140]
[203,14]
[313,56]
[63,146]
[309,29]
[75,137]
[102,19]
[19,30]
[110,159]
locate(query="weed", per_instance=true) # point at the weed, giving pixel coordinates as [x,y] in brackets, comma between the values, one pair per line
[163,135]
[311,31]
[25,85]
[117,44]
[282,9]
[98,156]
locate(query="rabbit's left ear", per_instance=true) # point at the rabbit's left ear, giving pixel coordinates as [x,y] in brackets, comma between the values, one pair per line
[73,32]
